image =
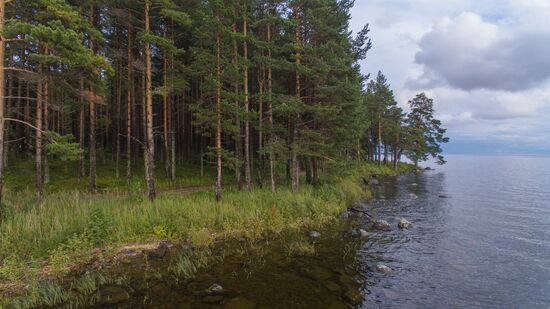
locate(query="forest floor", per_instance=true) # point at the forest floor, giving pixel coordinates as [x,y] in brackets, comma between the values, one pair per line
[68,232]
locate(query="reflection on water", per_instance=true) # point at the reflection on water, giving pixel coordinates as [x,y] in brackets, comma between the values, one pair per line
[480,239]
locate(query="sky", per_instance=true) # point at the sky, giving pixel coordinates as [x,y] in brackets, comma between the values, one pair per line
[486,64]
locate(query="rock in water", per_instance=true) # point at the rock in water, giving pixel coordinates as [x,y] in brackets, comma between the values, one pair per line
[381,268]
[404,224]
[363,233]
[314,234]
[413,196]
[382,225]
[215,289]
[112,295]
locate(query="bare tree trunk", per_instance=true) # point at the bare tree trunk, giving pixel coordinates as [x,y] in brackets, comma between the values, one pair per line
[218,120]
[130,95]
[81,168]
[166,115]
[238,135]
[294,155]
[270,103]
[91,103]
[46,101]
[38,141]
[247,172]
[118,114]
[2,95]
[379,139]
[150,145]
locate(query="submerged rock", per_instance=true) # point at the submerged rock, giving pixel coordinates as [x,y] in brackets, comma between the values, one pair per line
[404,224]
[443,196]
[429,169]
[332,286]
[382,225]
[314,234]
[112,295]
[363,233]
[215,289]
[354,296]
[413,196]
[381,268]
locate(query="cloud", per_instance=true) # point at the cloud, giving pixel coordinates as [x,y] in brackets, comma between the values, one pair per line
[468,53]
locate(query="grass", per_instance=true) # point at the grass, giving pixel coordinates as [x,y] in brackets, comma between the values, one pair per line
[53,238]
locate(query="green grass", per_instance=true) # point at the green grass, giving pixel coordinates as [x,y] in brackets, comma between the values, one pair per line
[61,231]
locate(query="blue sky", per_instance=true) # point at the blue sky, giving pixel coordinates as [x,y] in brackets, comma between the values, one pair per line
[486,63]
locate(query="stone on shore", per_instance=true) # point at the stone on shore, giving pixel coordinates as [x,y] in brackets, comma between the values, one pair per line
[381,268]
[215,289]
[382,225]
[404,224]
[363,233]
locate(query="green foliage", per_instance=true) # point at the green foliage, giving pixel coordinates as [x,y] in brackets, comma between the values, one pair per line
[424,134]
[63,146]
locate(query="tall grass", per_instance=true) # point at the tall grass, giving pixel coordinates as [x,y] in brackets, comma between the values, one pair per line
[66,226]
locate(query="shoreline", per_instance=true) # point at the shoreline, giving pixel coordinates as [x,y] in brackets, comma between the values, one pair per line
[322,205]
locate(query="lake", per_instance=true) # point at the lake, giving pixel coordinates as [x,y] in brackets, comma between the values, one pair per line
[480,239]
[481,236]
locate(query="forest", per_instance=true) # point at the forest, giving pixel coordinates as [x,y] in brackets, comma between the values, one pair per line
[237,95]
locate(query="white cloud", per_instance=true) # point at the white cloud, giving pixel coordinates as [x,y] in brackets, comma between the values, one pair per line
[485,63]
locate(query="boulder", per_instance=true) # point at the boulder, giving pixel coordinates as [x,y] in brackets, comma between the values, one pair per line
[404,224]
[382,225]
[381,268]
[363,233]
[374,182]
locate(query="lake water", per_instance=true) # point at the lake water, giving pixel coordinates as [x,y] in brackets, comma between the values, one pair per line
[480,239]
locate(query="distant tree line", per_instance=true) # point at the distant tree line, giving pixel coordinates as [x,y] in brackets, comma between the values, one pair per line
[262,88]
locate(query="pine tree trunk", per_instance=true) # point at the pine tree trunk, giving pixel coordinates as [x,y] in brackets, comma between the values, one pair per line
[247,163]
[2,95]
[38,141]
[92,151]
[130,95]
[218,120]
[150,145]
[238,135]
[294,154]
[166,116]
[46,101]
[270,103]
[82,123]
[118,117]
[379,139]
